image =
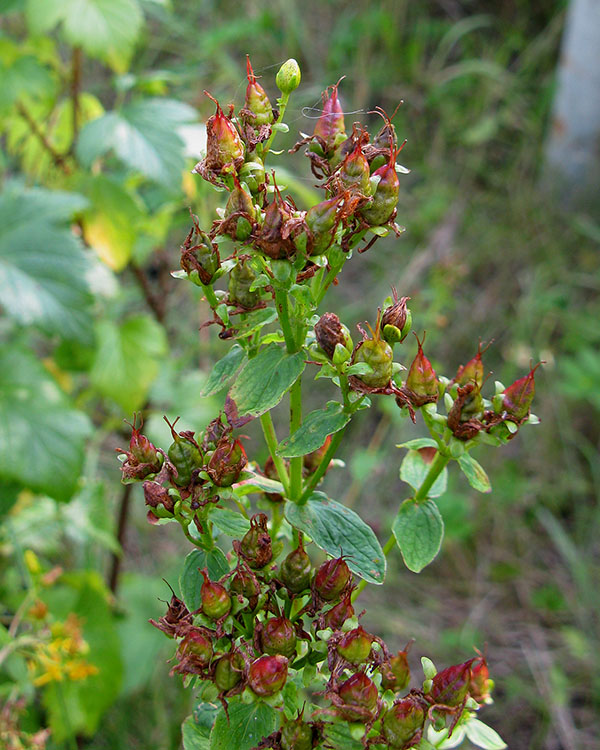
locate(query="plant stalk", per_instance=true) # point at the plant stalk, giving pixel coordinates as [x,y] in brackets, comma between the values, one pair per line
[271,440]
[323,466]
[295,422]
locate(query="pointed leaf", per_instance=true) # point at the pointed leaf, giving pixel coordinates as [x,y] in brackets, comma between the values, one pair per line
[229,522]
[247,725]
[339,530]
[419,530]
[314,430]
[264,380]
[483,736]
[474,473]
[224,371]
[413,471]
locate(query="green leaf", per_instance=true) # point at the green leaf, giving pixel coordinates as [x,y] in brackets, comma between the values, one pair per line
[43,269]
[247,725]
[483,736]
[224,371]
[418,443]
[190,580]
[314,430]
[339,530]
[254,321]
[419,530]
[257,483]
[23,76]
[264,380]
[41,435]
[229,522]
[475,473]
[143,136]
[194,735]
[413,471]
[105,29]
[127,360]
[338,736]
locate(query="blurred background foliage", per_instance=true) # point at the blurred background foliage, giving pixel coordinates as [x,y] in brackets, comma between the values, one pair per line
[101,112]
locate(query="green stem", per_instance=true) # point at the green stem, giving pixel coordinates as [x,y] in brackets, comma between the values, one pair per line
[331,274]
[323,466]
[211,297]
[283,102]
[295,422]
[271,440]
[283,312]
[276,519]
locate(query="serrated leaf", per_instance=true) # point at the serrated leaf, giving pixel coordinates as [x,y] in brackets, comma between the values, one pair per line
[483,736]
[418,443]
[41,434]
[190,580]
[419,530]
[413,471]
[263,381]
[143,135]
[475,473]
[224,371]
[247,725]
[42,265]
[105,29]
[229,522]
[314,430]
[127,360]
[339,530]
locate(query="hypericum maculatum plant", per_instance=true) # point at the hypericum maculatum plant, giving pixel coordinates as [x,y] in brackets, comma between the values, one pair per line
[265,625]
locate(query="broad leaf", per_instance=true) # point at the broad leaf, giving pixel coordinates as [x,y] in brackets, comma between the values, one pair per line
[224,371]
[23,76]
[247,725]
[41,435]
[194,736]
[475,473]
[263,381]
[483,736]
[143,135]
[190,580]
[339,530]
[43,268]
[413,471]
[257,483]
[229,522]
[105,29]
[338,736]
[314,430]
[419,530]
[127,360]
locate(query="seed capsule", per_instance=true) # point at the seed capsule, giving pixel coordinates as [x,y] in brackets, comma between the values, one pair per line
[330,332]
[421,381]
[330,125]
[358,692]
[403,723]
[296,570]
[227,462]
[331,579]
[268,674]
[355,645]
[395,674]
[396,321]
[337,616]
[258,109]
[297,735]
[184,454]
[451,686]
[278,636]
[241,279]
[196,647]
[384,200]
[518,396]
[256,546]
[379,356]
[229,671]
[216,602]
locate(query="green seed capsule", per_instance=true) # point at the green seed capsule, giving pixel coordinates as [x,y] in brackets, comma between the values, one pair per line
[379,356]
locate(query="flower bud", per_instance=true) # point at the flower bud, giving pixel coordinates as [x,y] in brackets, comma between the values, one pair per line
[216,602]
[184,454]
[297,734]
[329,332]
[330,127]
[337,616]
[395,673]
[288,76]
[379,356]
[241,279]
[480,685]
[278,636]
[331,579]
[355,645]
[385,198]
[403,723]
[229,671]
[396,320]
[322,220]
[296,569]
[257,110]
[358,692]
[518,396]
[200,257]
[256,547]
[421,382]
[227,462]
[451,686]
[268,674]
[196,647]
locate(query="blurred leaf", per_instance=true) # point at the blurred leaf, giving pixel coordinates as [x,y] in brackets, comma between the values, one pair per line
[190,580]
[195,737]
[143,135]
[474,473]
[224,371]
[25,76]
[483,736]
[340,531]
[418,443]
[246,726]
[127,360]
[42,266]
[105,29]
[314,430]
[41,435]
[111,223]
[419,530]
[413,471]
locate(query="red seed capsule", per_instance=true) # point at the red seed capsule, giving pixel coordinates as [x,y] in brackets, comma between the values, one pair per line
[256,546]
[296,570]
[355,645]
[451,686]
[359,692]
[278,636]
[331,579]
[216,602]
[337,616]
[421,381]
[518,396]
[197,648]
[395,674]
[403,723]
[268,674]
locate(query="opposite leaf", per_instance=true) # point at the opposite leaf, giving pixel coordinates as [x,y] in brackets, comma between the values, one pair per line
[483,736]
[419,530]
[474,473]
[224,371]
[340,531]
[414,468]
[245,727]
[314,430]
